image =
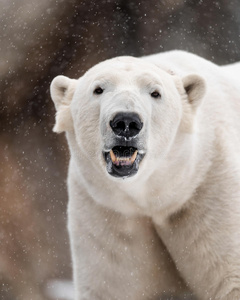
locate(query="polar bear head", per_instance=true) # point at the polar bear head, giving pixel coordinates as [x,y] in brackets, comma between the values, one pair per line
[125,113]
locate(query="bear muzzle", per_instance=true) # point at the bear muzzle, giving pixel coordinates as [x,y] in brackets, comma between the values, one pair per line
[125,153]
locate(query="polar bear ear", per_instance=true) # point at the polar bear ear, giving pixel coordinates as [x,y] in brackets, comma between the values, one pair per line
[195,88]
[62,89]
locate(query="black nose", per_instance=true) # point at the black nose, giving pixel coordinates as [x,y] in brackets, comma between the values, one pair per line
[126,124]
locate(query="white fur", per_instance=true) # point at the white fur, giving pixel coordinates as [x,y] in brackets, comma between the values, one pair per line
[174,226]
[62,89]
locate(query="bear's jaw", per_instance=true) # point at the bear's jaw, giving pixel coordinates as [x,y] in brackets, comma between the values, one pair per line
[123,161]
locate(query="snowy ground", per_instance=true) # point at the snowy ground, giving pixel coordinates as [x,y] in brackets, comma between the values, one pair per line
[60,289]
[63,290]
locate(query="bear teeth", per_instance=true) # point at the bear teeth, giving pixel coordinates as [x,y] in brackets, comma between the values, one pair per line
[123,160]
[113,156]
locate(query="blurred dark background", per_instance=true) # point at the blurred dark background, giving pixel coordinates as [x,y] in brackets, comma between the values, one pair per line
[42,39]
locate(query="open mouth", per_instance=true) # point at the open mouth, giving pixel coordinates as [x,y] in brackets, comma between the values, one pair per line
[123,161]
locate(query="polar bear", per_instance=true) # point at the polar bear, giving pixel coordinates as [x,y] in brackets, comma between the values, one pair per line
[154,177]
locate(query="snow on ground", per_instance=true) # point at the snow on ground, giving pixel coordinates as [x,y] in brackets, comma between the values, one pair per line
[58,289]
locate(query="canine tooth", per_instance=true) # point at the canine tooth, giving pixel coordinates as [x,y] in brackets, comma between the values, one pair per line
[134,157]
[113,156]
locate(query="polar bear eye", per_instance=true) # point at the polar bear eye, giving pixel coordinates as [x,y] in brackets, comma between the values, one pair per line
[98,91]
[155,94]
